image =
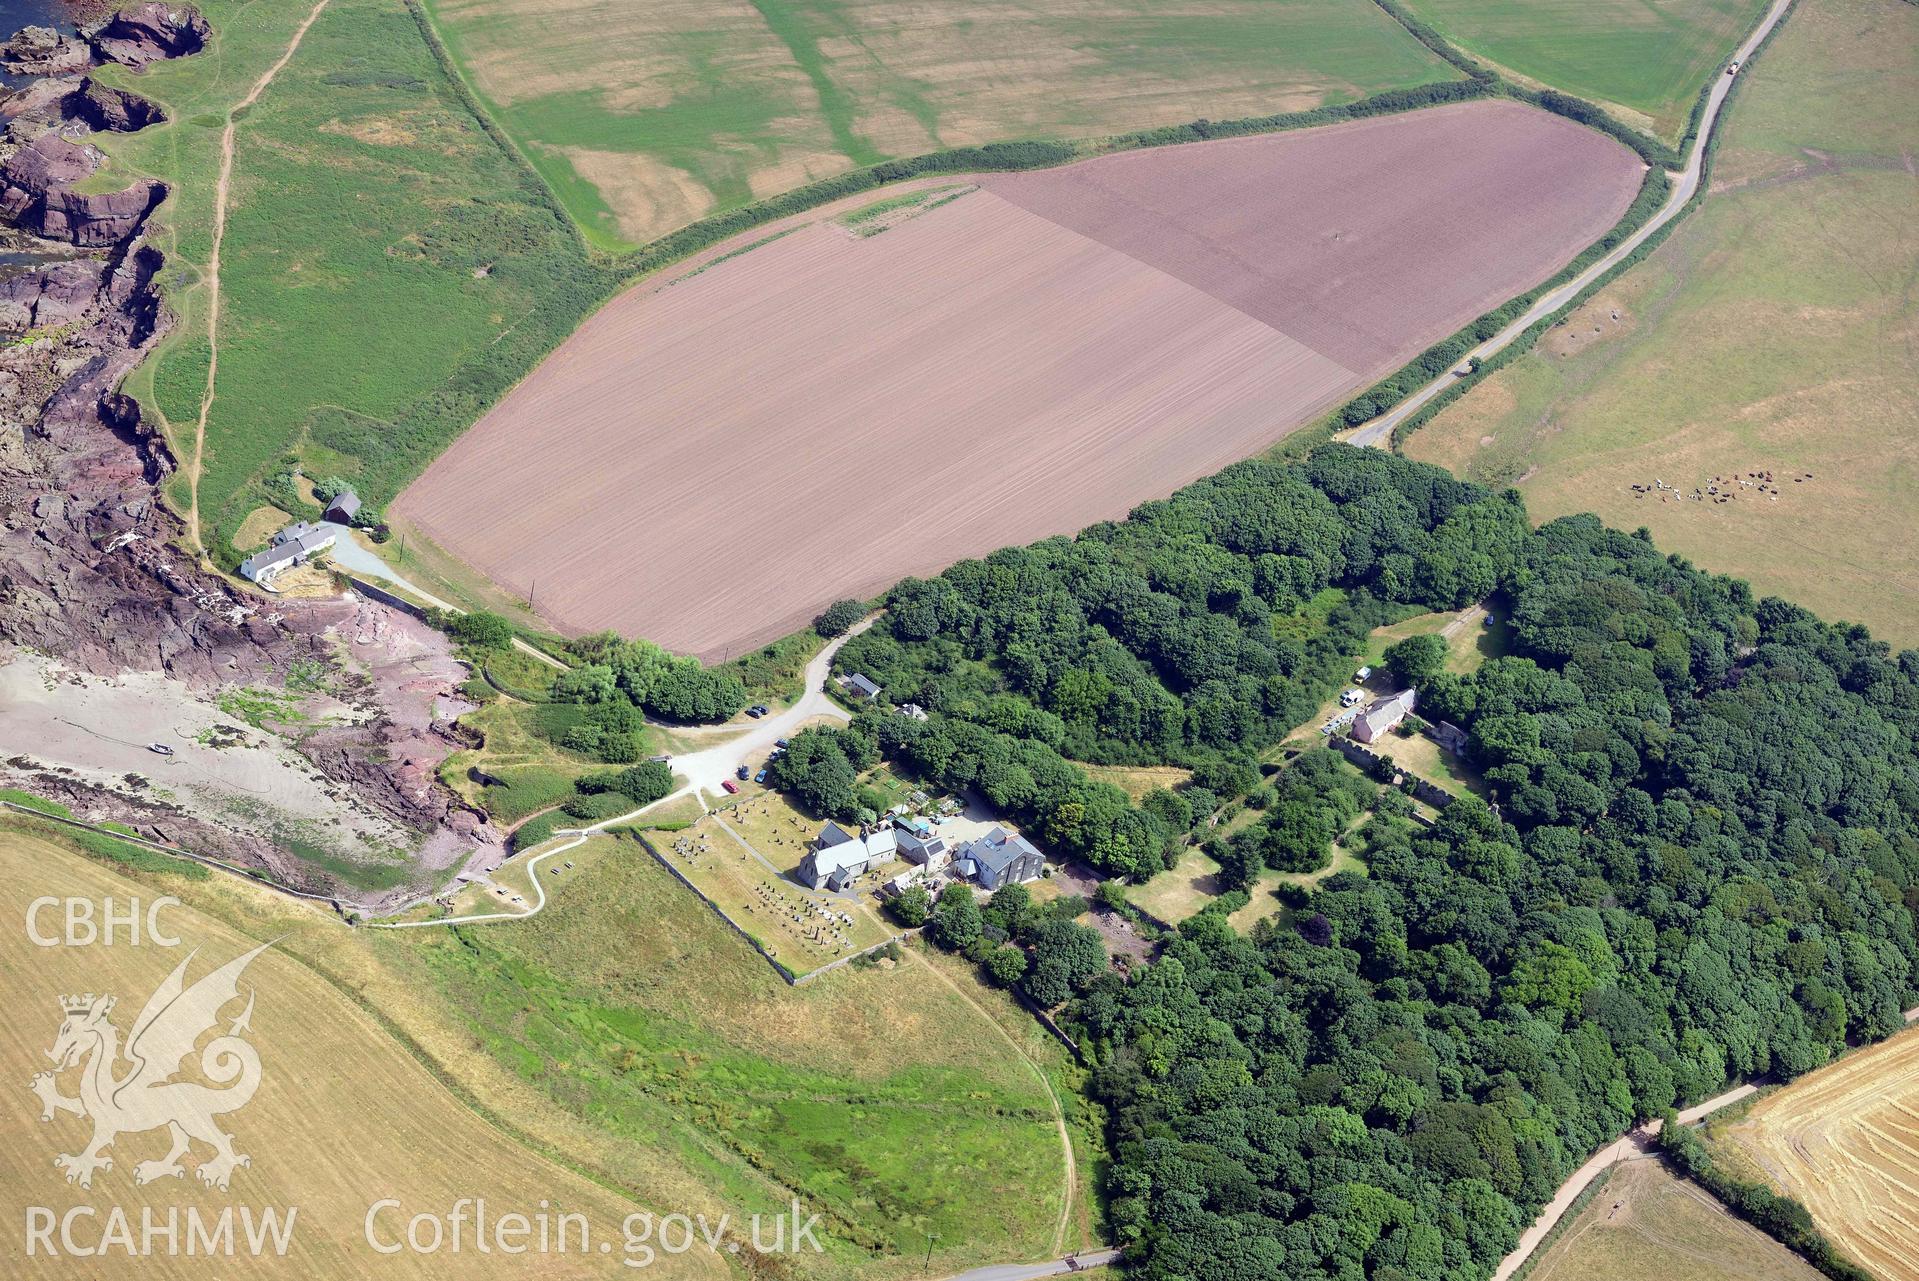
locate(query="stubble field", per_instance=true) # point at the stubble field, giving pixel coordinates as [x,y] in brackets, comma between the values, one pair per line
[1646,1225]
[646,117]
[1773,332]
[325,1141]
[709,463]
[1845,1141]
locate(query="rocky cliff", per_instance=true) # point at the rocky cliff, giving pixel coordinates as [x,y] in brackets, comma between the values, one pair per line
[90,567]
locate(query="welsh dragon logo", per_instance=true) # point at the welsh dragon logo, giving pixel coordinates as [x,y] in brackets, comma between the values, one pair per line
[143,1095]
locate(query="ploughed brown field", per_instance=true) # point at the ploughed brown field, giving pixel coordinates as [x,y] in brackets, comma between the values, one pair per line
[708,463]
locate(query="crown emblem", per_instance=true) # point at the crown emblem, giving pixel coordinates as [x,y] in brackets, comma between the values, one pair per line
[83,1004]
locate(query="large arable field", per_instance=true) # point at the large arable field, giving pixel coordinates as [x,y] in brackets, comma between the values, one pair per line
[645,117]
[343,1116]
[1773,332]
[1644,1224]
[710,460]
[1845,1141]
[1650,60]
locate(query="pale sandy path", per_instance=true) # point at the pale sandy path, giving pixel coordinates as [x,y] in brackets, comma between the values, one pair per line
[220,189]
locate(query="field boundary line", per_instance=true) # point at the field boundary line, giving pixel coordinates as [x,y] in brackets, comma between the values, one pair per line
[221,187]
[579,835]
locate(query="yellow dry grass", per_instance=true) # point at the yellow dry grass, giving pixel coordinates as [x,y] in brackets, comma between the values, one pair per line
[1137,780]
[344,1116]
[1646,1225]
[259,526]
[1772,331]
[1845,1141]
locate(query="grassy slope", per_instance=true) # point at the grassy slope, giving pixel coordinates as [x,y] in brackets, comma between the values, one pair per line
[678,110]
[1648,58]
[1774,330]
[873,1095]
[388,268]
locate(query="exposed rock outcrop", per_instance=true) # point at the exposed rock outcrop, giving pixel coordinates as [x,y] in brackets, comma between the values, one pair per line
[35,194]
[89,566]
[151,32]
[115,110]
[53,296]
[42,51]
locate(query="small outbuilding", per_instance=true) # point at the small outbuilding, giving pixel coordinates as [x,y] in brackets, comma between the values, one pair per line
[344,507]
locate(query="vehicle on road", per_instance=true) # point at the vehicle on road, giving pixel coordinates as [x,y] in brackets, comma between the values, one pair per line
[1732,68]
[160,749]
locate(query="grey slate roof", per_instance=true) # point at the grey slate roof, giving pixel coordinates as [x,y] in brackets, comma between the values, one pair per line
[999,849]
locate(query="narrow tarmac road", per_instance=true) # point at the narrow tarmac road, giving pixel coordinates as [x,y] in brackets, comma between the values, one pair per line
[1379,432]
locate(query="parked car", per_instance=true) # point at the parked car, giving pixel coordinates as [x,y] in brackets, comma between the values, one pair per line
[755,712]
[760,708]
[1362,673]
[741,773]
[160,749]
[661,760]
[760,777]
[729,785]
[782,743]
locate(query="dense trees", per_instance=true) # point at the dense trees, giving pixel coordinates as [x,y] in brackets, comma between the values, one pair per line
[1199,631]
[479,628]
[640,673]
[1705,867]
[837,617]
[1416,659]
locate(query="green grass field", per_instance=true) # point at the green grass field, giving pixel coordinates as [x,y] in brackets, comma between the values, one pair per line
[388,268]
[1772,332]
[875,1095]
[646,117]
[1650,59]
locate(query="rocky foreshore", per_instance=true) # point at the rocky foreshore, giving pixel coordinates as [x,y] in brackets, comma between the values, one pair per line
[90,567]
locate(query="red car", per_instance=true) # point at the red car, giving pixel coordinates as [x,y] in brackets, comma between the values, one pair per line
[729,785]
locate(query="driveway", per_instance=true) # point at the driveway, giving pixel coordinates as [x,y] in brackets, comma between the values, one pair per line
[1379,431]
[706,769]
